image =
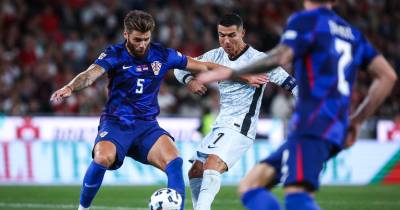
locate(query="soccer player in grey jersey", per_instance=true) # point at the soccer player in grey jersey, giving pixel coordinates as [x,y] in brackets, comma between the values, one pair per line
[234,130]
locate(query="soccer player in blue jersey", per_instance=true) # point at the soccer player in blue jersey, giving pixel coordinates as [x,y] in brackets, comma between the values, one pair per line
[128,125]
[325,52]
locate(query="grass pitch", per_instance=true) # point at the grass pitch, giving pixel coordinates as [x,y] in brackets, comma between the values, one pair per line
[370,197]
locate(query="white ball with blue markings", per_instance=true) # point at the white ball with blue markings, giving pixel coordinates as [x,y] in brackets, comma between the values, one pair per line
[165,199]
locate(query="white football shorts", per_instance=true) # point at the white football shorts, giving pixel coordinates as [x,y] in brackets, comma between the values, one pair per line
[226,143]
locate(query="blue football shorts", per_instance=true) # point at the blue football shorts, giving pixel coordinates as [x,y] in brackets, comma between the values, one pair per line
[134,140]
[299,162]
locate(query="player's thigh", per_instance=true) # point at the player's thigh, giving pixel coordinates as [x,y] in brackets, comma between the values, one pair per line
[104,153]
[162,152]
[260,175]
[112,143]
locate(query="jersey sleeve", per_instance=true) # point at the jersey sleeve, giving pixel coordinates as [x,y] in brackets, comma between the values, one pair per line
[176,59]
[368,52]
[183,76]
[299,34]
[280,77]
[107,59]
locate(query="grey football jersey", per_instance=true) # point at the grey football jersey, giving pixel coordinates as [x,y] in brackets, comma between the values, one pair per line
[239,102]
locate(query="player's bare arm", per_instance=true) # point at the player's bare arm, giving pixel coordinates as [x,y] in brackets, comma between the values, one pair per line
[282,55]
[82,80]
[195,66]
[384,78]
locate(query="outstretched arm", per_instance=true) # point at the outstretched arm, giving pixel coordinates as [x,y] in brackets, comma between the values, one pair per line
[82,80]
[195,66]
[281,55]
[384,78]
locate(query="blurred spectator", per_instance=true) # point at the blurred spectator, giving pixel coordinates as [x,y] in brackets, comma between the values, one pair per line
[394,133]
[166,100]
[43,44]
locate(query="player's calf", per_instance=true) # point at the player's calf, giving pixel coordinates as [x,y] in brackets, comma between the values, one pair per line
[195,179]
[164,155]
[104,157]
[91,183]
[211,183]
[175,177]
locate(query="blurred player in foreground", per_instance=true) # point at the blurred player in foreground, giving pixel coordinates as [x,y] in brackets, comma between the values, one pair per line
[325,52]
[128,125]
[234,130]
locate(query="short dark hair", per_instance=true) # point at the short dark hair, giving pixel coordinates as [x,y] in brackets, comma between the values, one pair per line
[139,21]
[231,19]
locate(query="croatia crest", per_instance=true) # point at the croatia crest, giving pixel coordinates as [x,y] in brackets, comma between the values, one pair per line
[156,66]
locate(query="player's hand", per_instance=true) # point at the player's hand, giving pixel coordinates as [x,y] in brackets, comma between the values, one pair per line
[196,87]
[215,75]
[60,94]
[352,132]
[255,80]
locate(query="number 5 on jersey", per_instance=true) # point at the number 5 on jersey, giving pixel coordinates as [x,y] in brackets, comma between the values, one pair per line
[139,86]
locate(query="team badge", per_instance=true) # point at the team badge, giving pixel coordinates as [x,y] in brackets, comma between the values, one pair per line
[102,134]
[156,66]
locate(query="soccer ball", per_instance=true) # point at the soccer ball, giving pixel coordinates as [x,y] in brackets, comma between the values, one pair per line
[165,199]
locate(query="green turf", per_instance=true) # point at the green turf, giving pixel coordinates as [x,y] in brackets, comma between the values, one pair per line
[373,197]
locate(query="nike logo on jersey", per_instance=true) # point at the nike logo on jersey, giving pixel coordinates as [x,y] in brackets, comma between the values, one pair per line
[102,134]
[90,185]
[126,67]
[211,147]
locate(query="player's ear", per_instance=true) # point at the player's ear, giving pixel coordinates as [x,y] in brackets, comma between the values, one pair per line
[243,32]
[126,35]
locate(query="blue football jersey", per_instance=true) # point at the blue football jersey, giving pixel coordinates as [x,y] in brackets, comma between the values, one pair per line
[134,83]
[328,51]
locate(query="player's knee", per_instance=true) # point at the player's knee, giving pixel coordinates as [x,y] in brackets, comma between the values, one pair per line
[246,185]
[196,171]
[214,162]
[106,160]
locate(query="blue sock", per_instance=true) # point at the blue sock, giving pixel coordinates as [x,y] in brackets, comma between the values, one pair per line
[91,183]
[300,201]
[175,177]
[260,199]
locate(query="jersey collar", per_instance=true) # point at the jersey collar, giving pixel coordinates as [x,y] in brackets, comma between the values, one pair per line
[240,54]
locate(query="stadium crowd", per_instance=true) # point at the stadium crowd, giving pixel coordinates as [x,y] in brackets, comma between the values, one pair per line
[43,44]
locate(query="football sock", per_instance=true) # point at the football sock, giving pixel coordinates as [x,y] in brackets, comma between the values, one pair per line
[300,201]
[209,189]
[260,199]
[91,183]
[195,185]
[175,177]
